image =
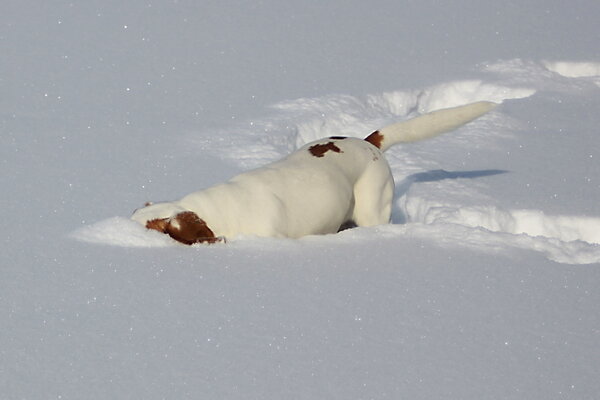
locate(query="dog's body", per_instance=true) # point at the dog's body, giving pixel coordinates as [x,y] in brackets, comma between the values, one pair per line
[315,190]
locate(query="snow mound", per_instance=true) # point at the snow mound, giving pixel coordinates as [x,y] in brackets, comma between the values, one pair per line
[345,115]
[562,238]
[561,76]
[456,93]
[294,123]
[574,69]
[122,232]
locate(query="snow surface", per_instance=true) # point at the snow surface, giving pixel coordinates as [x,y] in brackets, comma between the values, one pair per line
[485,284]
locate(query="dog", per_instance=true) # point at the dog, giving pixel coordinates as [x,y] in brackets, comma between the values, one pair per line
[321,188]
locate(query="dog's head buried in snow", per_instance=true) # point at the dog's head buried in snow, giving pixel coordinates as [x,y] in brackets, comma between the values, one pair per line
[320,188]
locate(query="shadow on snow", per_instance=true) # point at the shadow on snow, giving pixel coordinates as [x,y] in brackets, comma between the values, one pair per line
[436,175]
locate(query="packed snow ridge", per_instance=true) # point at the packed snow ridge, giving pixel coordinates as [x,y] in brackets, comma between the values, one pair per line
[574,69]
[456,214]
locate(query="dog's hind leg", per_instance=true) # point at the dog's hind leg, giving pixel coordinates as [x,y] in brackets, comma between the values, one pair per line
[373,195]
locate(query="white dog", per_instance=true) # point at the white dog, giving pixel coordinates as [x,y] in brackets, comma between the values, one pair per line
[318,189]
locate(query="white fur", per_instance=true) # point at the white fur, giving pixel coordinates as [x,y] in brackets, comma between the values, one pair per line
[304,194]
[433,123]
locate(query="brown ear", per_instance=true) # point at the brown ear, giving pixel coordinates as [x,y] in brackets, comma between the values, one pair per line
[158,224]
[186,227]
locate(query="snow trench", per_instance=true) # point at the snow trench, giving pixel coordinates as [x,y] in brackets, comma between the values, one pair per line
[561,238]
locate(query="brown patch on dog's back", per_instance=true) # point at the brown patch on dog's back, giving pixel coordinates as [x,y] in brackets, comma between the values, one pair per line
[319,150]
[185,227]
[375,138]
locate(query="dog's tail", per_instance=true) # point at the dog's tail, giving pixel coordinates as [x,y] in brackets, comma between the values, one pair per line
[428,125]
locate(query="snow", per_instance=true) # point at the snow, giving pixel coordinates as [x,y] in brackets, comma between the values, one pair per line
[574,69]
[483,286]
